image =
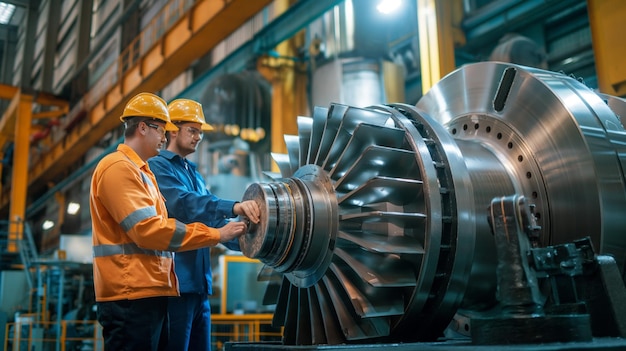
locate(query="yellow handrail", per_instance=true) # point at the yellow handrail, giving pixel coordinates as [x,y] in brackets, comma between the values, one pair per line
[29,333]
[243,328]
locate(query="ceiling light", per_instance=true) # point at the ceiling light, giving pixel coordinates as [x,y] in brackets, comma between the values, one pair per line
[47,224]
[73,208]
[6,12]
[388,6]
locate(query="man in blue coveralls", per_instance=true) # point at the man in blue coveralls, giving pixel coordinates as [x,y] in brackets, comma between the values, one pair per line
[188,200]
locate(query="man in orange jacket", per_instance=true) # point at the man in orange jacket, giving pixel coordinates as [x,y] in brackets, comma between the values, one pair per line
[133,238]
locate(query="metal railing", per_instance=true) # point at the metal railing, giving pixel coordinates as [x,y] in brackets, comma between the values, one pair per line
[27,333]
[129,57]
[242,328]
[10,237]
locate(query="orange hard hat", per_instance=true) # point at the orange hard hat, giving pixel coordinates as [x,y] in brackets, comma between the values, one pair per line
[185,110]
[150,106]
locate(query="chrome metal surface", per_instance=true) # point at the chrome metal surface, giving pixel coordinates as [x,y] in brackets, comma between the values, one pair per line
[558,140]
[379,225]
[287,238]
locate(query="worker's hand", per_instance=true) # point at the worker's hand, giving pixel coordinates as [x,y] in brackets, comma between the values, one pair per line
[249,209]
[232,230]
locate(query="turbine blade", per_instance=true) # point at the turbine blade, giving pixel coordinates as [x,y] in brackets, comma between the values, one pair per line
[305,125]
[280,312]
[377,161]
[319,121]
[335,114]
[290,330]
[293,150]
[273,279]
[384,244]
[385,189]
[332,328]
[318,333]
[347,147]
[401,219]
[353,327]
[304,318]
[362,303]
[378,270]
[282,160]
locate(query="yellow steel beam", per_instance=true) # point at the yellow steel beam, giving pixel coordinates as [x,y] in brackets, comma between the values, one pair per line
[48,99]
[7,92]
[50,114]
[21,108]
[200,30]
[8,120]
[438,26]
[605,19]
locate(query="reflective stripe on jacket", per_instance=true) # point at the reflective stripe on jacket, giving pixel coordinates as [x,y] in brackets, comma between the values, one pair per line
[132,235]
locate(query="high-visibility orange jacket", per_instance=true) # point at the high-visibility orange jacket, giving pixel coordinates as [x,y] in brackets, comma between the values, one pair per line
[133,238]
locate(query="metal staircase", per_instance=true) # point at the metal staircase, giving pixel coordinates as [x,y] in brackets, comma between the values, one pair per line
[18,253]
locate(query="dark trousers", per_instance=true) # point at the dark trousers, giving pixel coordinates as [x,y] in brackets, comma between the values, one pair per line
[137,325]
[190,323]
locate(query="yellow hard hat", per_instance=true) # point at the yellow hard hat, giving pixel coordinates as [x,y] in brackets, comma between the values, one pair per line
[150,106]
[185,110]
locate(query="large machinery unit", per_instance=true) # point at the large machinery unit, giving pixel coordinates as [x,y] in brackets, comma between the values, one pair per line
[384,224]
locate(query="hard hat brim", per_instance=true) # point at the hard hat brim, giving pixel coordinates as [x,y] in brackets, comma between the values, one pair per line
[170,127]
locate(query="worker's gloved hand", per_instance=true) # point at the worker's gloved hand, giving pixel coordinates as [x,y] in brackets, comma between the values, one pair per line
[232,230]
[249,209]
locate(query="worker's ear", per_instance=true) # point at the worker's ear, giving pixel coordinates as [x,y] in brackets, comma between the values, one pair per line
[142,128]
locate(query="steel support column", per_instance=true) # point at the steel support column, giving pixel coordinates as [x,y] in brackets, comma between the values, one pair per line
[438,22]
[21,106]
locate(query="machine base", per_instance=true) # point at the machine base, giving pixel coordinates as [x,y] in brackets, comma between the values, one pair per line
[595,344]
